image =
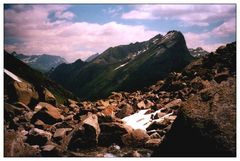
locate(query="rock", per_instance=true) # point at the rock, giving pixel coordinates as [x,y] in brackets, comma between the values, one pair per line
[60,133]
[159,115]
[11,111]
[24,92]
[14,146]
[149,104]
[22,106]
[137,138]
[49,97]
[116,96]
[160,124]
[112,133]
[70,101]
[221,77]
[153,143]
[39,124]
[175,104]
[50,150]
[38,137]
[141,105]
[155,136]
[124,110]
[47,113]
[86,135]
[205,127]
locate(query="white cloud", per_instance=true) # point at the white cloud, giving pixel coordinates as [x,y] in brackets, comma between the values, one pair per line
[201,15]
[72,40]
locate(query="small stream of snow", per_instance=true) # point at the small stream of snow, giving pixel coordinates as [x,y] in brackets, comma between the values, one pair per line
[13,76]
[121,66]
[140,121]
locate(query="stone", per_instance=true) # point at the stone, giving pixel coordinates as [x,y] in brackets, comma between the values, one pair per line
[11,111]
[49,97]
[22,106]
[137,138]
[141,105]
[159,115]
[160,124]
[175,104]
[112,133]
[205,127]
[153,143]
[124,110]
[47,113]
[25,92]
[86,135]
[14,146]
[38,137]
[50,150]
[155,136]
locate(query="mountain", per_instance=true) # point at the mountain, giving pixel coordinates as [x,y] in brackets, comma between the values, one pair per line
[43,63]
[187,108]
[17,71]
[198,52]
[90,58]
[125,67]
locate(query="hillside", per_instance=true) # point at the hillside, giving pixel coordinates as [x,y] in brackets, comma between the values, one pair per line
[125,67]
[36,78]
[189,109]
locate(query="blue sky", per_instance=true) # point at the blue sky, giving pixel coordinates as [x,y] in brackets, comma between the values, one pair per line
[78,31]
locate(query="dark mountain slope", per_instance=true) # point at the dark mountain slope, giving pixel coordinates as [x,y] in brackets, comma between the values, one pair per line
[36,78]
[127,67]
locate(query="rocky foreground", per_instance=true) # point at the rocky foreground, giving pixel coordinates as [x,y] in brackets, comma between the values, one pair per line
[192,113]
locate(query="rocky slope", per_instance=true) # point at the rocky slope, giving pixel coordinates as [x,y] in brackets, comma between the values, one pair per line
[43,63]
[126,67]
[158,121]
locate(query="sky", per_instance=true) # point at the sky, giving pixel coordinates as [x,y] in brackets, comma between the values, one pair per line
[80,30]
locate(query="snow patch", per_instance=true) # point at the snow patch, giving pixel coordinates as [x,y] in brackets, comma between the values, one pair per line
[13,76]
[121,66]
[139,120]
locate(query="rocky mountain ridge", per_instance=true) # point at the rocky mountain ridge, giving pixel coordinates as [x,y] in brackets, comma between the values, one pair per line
[125,67]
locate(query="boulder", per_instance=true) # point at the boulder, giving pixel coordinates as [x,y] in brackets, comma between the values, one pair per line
[141,105]
[47,113]
[25,93]
[38,137]
[49,97]
[22,106]
[61,133]
[205,125]
[153,143]
[175,104]
[14,146]
[11,111]
[112,133]
[124,110]
[137,138]
[86,134]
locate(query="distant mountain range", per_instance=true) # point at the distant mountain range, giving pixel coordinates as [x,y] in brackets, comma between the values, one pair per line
[198,52]
[125,67]
[43,63]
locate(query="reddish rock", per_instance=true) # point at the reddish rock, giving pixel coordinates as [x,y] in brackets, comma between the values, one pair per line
[47,113]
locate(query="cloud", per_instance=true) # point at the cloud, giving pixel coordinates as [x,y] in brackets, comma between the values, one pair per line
[37,34]
[113,11]
[200,15]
